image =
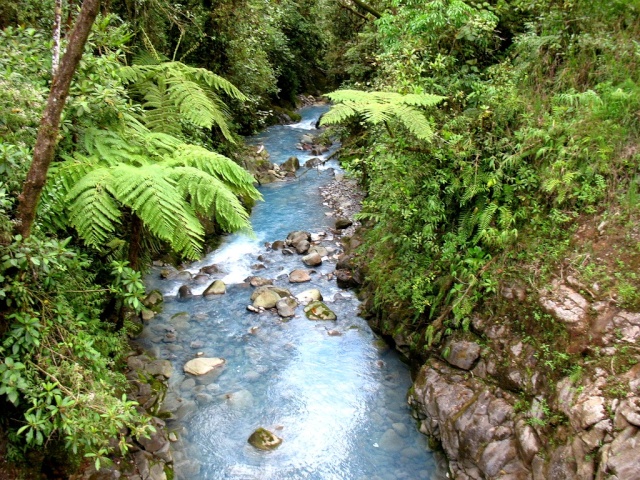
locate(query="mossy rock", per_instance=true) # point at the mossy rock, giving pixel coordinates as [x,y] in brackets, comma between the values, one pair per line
[319,311]
[153,301]
[263,439]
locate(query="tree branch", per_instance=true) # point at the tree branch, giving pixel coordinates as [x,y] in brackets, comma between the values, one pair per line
[367,8]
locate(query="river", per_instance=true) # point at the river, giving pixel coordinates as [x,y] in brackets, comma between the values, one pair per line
[337,401]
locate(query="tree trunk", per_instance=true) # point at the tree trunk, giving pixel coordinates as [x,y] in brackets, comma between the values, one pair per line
[57,26]
[135,242]
[367,8]
[45,146]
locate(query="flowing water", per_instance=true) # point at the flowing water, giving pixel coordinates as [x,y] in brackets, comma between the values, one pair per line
[337,401]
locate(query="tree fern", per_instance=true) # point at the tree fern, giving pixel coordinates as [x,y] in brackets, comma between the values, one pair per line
[382,107]
[174,91]
[161,180]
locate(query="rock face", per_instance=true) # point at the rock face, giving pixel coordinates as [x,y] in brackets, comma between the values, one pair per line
[263,439]
[507,411]
[319,311]
[463,354]
[202,365]
[476,427]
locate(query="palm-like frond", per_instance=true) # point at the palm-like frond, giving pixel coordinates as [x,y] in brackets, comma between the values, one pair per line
[93,211]
[152,195]
[378,107]
[174,91]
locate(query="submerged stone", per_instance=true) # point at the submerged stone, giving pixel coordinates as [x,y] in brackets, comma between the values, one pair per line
[263,439]
[202,366]
[319,311]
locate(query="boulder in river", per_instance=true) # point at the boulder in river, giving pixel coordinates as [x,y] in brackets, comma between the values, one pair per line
[312,259]
[299,240]
[210,269]
[291,165]
[308,296]
[216,288]
[203,365]
[266,299]
[184,292]
[263,439]
[299,276]
[313,162]
[153,301]
[319,311]
[258,281]
[286,307]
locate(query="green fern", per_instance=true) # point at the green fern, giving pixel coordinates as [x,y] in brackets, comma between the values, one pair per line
[174,91]
[381,107]
[161,180]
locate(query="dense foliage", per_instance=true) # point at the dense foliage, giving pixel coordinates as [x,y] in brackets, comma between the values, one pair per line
[478,129]
[540,125]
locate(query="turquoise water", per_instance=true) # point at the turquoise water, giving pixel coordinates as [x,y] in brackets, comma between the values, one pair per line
[337,401]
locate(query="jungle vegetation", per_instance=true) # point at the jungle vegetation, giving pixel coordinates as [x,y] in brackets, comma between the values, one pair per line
[481,131]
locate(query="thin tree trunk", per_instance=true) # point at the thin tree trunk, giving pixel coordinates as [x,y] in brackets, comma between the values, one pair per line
[57,26]
[367,8]
[45,146]
[135,242]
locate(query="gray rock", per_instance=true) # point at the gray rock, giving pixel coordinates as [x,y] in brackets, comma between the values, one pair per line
[201,279]
[308,296]
[210,269]
[292,164]
[266,299]
[184,292]
[568,306]
[313,162]
[312,259]
[588,412]
[259,281]
[390,441]
[302,247]
[286,307]
[203,365]
[153,300]
[216,288]
[299,276]
[463,354]
[320,250]
[159,367]
[342,223]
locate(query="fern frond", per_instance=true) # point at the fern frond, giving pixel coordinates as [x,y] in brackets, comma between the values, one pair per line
[93,211]
[414,121]
[154,198]
[378,107]
[224,169]
[339,113]
[209,196]
[197,107]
